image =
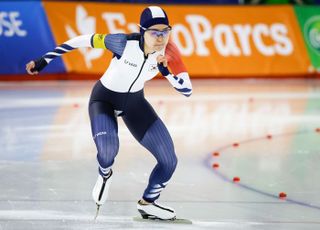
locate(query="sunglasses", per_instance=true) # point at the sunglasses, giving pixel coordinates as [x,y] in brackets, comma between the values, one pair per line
[157,33]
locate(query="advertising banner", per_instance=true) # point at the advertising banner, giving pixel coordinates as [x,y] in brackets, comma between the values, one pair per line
[24,35]
[157,2]
[309,20]
[215,41]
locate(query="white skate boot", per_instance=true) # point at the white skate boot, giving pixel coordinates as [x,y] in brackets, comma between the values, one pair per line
[155,211]
[101,188]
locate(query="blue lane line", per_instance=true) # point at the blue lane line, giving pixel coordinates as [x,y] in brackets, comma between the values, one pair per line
[226,179]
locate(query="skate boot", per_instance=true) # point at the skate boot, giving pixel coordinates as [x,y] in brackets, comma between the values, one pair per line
[101,188]
[155,211]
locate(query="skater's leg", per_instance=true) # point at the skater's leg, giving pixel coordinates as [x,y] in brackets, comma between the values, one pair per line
[105,134]
[158,141]
[150,131]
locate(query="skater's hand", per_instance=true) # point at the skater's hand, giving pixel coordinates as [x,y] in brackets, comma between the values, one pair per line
[162,65]
[162,59]
[29,68]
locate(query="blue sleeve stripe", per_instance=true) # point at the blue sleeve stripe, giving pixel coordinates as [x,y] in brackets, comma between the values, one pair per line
[59,51]
[184,90]
[50,56]
[67,47]
[116,43]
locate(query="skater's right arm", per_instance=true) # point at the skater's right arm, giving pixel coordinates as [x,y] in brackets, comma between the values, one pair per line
[113,42]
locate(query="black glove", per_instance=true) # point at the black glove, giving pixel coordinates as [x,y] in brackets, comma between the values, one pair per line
[163,70]
[39,65]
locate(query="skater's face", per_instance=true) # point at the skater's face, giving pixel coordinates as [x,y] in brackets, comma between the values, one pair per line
[156,37]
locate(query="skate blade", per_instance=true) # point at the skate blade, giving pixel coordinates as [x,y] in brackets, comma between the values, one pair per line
[97,213]
[157,220]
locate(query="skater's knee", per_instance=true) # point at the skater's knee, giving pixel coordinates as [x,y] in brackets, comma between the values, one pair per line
[169,163]
[107,152]
[173,164]
[175,161]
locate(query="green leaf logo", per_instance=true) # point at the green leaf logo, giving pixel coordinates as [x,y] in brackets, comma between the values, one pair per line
[312,33]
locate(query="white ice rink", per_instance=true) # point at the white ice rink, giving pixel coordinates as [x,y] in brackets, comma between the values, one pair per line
[48,166]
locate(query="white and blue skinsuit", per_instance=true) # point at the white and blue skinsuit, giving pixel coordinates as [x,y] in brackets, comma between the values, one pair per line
[119,92]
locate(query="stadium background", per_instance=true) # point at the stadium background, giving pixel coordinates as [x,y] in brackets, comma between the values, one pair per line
[218,39]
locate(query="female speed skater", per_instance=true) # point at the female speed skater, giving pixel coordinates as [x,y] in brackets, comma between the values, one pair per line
[137,58]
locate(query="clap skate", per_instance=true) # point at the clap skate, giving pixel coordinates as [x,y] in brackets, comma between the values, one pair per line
[155,211]
[158,213]
[100,190]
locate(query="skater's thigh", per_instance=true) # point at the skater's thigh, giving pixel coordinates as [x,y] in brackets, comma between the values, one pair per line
[139,118]
[102,118]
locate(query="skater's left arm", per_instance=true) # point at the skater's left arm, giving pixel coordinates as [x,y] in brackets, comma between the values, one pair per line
[179,78]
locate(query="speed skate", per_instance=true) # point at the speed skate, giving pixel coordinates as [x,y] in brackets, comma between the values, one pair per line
[156,219]
[156,212]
